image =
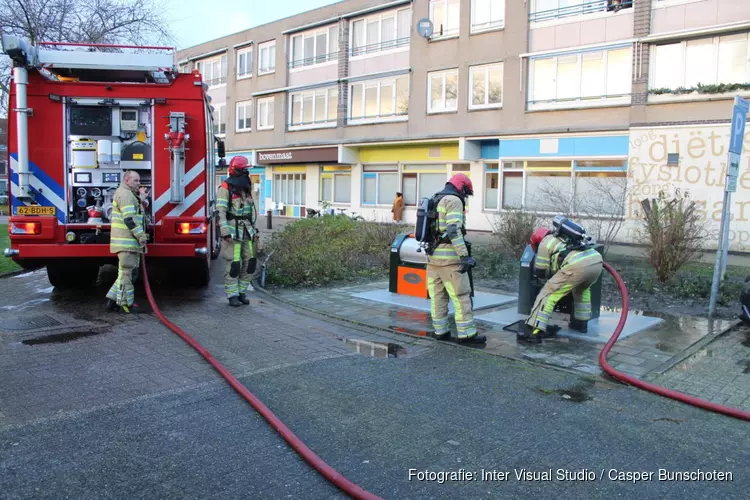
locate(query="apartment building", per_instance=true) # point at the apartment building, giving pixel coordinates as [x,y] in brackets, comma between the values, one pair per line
[574,106]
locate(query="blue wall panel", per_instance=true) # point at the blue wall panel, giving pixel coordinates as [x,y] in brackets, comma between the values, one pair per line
[567,146]
[490,150]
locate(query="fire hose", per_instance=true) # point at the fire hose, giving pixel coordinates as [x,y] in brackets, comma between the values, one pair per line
[662,391]
[306,453]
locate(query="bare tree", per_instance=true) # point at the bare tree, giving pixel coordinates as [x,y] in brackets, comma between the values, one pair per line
[134,22]
[600,208]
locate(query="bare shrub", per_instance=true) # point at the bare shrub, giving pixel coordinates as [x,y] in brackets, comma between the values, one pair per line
[672,233]
[601,211]
[512,229]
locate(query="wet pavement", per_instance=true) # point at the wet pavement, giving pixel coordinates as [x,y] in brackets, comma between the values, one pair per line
[654,350]
[103,405]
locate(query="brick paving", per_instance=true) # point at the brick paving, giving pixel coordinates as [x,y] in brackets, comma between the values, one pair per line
[656,349]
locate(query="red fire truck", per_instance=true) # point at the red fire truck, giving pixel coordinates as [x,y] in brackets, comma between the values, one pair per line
[82,115]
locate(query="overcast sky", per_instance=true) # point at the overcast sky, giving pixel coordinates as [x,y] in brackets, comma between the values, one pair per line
[197,21]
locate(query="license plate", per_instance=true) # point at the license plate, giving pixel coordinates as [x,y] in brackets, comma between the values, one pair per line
[34,210]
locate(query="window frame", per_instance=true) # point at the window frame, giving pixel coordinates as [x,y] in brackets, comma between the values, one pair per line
[444,73]
[487,68]
[398,44]
[248,53]
[431,15]
[214,82]
[380,82]
[269,45]
[248,105]
[376,170]
[220,109]
[327,57]
[520,165]
[270,103]
[334,176]
[716,44]
[474,29]
[606,100]
[330,122]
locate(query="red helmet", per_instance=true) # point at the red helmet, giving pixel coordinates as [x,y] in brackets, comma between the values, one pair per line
[238,166]
[463,184]
[538,235]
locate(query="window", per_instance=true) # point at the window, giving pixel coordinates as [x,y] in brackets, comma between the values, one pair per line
[379,184]
[708,61]
[336,188]
[379,100]
[245,63]
[289,189]
[265,113]
[443,91]
[486,84]
[384,31]
[581,187]
[600,77]
[313,108]
[220,119]
[267,57]
[418,185]
[545,10]
[214,71]
[487,15]
[445,16]
[314,47]
[244,111]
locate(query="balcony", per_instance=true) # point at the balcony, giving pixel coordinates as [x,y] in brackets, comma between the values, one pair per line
[213,82]
[312,61]
[580,10]
[379,47]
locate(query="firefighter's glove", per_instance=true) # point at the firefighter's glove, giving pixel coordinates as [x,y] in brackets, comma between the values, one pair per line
[251,265]
[466,264]
[234,269]
[227,237]
[142,240]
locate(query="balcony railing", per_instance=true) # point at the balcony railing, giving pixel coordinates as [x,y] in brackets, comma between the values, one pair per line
[379,116]
[380,46]
[216,81]
[580,10]
[299,63]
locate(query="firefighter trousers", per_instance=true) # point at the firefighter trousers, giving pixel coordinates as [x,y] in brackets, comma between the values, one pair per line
[447,283]
[236,254]
[123,291]
[576,278]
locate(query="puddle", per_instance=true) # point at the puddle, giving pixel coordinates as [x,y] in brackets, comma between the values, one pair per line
[413,331]
[746,364]
[60,338]
[576,394]
[376,349]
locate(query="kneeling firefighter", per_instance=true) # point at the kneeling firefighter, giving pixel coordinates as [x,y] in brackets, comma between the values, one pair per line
[567,260]
[441,226]
[237,216]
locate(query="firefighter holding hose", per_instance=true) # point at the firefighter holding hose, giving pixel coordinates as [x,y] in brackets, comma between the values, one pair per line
[237,216]
[128,240]
[567,260]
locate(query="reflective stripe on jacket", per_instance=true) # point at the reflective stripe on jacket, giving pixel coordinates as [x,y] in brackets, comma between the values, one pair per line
[126,204]
[450,211]
[238,205]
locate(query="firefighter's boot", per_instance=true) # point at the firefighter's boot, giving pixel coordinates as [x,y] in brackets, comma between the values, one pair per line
[530,334]
[111,305]
[235,301]
[474,339]
[550,332]
[243,298]
[579,325]
[131,309]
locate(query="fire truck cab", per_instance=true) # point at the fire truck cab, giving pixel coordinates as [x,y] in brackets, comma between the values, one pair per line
[80,117]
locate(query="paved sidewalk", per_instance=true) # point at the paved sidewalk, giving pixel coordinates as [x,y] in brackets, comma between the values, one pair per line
[654,350]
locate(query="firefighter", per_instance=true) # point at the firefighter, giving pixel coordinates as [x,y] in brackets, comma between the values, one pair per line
[239,237]
[569,266]
[447,266]
[128,240]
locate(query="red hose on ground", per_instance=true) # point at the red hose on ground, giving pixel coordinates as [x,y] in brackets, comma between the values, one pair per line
[662,391]
[306,453]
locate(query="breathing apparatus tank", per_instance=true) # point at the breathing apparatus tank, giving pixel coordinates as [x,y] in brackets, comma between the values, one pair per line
[422,229]
[571,231]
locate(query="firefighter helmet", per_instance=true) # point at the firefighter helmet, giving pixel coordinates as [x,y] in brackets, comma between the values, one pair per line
[538,235]
[463,184]
[238,166]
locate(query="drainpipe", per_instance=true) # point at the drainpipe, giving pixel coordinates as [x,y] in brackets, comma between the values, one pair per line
[21,79]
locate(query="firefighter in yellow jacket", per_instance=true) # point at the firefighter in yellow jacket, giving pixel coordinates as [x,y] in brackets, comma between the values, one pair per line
[128,240]
[449,263]
[239,237]
[569,265]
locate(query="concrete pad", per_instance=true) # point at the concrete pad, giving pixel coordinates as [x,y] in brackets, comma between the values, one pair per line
[482,300]
[599,330]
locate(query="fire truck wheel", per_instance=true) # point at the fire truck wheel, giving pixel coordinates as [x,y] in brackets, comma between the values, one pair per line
[67,275]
